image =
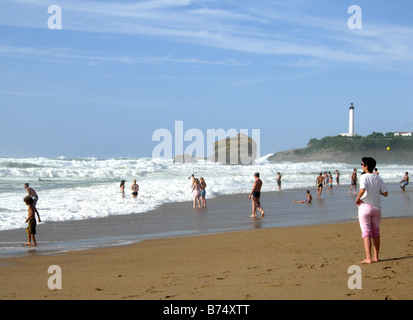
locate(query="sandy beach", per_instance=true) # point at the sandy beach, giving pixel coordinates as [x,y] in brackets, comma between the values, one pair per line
[308,262]
[297,251]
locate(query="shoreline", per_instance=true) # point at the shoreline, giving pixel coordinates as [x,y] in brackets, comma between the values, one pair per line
[294,263]
[224,213]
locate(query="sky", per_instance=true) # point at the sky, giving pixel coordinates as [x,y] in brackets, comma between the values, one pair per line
[118,70]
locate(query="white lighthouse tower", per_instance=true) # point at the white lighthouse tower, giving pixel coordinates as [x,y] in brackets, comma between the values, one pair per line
[350,123]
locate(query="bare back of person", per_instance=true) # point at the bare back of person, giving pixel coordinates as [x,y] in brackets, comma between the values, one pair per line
[255,196]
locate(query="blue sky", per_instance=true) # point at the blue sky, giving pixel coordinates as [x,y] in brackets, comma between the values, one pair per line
[120,69]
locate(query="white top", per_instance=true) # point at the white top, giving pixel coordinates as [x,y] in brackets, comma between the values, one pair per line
[374,185]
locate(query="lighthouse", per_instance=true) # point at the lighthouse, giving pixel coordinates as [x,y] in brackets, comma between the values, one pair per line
[350,122]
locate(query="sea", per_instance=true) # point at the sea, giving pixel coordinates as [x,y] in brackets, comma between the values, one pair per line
[89,188]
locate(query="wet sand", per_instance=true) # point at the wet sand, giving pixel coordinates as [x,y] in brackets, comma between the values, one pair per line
[309,262]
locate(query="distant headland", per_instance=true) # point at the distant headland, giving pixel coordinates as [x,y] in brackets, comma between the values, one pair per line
[389,148]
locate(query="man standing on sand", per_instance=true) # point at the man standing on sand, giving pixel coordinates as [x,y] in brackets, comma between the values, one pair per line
[255,196]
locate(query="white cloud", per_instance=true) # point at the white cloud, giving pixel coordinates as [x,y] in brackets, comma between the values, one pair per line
[262,27]
[66,55]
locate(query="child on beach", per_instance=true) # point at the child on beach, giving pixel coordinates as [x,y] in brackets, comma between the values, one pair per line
[309,198]
[31,220]
[330,185]
[203,191]
[196,189]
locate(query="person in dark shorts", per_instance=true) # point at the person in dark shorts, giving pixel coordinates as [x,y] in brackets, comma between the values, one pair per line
[135,189]
[278,180]
[255,195]
[309,198]
[319,183]
[353,180]
[31,220]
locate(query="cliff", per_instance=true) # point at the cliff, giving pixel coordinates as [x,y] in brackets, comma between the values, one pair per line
[384,157]
[352,149]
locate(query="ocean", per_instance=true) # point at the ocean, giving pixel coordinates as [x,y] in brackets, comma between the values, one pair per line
[88,188]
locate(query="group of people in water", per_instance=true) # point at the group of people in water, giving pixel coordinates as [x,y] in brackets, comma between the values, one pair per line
[134,187]
[198,188]
[326,179]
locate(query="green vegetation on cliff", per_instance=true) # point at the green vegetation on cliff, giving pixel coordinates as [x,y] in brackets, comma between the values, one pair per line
[375,141]
[352,149]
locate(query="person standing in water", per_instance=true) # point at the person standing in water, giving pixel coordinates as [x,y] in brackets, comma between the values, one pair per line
[122,188]
[32,194]
[319,183]
[196,189]
[337,177]
[278,180]
[353,181]
[255,195]
[405,181]
[203,191]
[135,189]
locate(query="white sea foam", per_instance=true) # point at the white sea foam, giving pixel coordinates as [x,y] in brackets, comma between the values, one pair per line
[76,189]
